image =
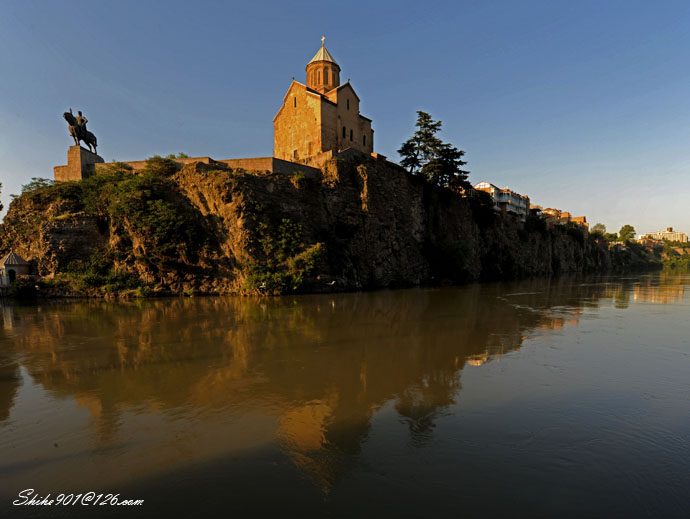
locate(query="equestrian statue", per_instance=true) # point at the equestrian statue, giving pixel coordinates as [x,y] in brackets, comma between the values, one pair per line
[78,131]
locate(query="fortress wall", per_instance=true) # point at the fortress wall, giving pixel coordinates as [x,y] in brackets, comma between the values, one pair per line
[138,165]
[82,163]
[252,164]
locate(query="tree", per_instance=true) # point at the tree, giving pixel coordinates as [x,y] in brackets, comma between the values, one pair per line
[626,233]
[37,184]
[425,155]
[599,227]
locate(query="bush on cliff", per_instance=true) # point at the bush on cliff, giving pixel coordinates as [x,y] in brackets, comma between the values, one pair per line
[160,166]
[285,261]
[143,204]
[144,208]
[482,206]
[576,233]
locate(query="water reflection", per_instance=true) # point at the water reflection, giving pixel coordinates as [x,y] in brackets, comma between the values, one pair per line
[317,368]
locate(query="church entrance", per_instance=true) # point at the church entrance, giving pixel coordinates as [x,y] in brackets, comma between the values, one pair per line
[12,275]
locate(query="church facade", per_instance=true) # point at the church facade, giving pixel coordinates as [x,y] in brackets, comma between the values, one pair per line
[321,116]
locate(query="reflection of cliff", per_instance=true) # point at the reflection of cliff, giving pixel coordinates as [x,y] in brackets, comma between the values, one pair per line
[322,366]
[10,381]
[671,290]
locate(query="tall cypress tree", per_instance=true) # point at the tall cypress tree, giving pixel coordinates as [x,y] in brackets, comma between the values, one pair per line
[424,154]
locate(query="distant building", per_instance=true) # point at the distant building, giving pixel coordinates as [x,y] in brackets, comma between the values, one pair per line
[669,235]
[12,266]
[556,215]
[581,221]
[506,201]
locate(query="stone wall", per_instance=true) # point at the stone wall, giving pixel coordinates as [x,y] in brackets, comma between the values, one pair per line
[297,126]
[346,115]
[82,163]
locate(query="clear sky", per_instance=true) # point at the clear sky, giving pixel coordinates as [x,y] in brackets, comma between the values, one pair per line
[583,106]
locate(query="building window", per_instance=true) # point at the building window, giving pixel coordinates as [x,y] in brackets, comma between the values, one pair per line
[348,104]
[344,132]
[350,134]
[295,101]
[325,75]
[318,77]
[364,140]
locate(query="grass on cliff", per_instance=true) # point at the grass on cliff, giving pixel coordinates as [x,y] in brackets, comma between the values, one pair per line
[286,262]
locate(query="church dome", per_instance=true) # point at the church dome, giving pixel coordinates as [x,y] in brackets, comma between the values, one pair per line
[323,72]
[323,54]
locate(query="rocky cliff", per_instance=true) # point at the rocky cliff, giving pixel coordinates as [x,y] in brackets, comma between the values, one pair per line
[360,224]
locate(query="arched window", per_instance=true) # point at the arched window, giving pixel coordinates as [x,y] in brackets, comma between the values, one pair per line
[318,77]
[350,134]
[364,140]
[348,104]
[344,132]
[295,100]
[325,75]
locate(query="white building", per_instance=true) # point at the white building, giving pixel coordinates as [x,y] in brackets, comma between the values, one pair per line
[506,201]
[669,235]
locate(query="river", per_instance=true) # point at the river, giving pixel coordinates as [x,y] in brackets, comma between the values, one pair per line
[567,397]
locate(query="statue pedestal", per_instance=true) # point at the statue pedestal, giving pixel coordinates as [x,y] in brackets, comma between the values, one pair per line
[80,164]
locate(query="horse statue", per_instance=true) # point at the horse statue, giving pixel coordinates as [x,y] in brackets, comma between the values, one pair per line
[79,132]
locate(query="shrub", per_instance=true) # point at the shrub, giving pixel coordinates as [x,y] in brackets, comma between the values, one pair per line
[482,206]
[576,233]
[159,166]
[534,223]
[286,263]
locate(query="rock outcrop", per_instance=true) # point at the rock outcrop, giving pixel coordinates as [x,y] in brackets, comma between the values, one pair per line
[361,224]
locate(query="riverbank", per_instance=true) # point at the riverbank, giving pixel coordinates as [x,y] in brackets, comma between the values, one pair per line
[360,224]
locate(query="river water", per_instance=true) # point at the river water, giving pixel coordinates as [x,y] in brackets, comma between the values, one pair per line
[542,398]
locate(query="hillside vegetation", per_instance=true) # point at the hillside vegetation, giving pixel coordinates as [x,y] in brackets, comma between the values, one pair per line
[360,224]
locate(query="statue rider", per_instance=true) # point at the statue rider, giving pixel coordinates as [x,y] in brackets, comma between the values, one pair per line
[81,121]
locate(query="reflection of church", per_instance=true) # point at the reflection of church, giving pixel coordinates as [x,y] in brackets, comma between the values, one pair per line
[299,376]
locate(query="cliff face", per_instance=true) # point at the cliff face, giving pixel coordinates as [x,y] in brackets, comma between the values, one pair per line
[361,224]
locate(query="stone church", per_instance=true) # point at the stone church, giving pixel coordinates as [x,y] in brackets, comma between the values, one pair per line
[321,116]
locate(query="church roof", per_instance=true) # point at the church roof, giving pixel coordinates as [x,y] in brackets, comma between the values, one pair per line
[323,54]
[13,259]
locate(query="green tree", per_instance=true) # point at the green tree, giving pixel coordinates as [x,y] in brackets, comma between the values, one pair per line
[599,227]
[37,184]
[425,155]
[626,233]
[611,236]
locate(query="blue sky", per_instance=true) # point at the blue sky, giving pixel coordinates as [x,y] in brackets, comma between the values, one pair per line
[584,106]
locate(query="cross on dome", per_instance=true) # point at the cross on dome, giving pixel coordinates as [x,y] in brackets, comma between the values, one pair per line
[323,54]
